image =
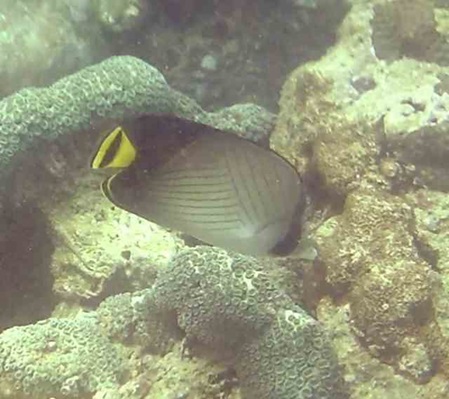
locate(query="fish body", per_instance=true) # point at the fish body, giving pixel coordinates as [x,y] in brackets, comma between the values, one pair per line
[207,183]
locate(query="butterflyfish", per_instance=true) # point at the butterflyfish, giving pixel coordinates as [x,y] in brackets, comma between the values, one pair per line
[207,183]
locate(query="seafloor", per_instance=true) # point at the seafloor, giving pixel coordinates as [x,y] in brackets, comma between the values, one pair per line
[96,303]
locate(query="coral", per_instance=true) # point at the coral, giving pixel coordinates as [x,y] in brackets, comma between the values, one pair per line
[389,306]
[250,121]
[367,132]
[332,153]
[230,304]
[116,316]
[106,89]
[127,319]
[338,114]
[56,122]
[431,208]
[58,358]
[177,376]
[118,87]
[221,301]
[341,160]
[292,359]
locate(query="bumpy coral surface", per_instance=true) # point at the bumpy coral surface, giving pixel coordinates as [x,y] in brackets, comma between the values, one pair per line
[97,249]
[128,319]
[117,87]
[427,150]
[372,230]
[107,90]
[220,300]
[230,303]
[369,377]
[292,359]
[58,358]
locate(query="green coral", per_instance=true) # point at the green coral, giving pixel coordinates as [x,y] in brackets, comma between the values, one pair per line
[293,359]
[117,87]
[58,357]
[229,302]
[251,121]
[219,300]
[105,90]
[127,319]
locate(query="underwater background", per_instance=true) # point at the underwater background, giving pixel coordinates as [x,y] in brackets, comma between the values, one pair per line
[99,303]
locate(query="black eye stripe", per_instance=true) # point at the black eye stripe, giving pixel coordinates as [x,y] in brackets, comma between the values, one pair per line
[112,151]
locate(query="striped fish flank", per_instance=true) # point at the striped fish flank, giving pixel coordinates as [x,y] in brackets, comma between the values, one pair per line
[218,188]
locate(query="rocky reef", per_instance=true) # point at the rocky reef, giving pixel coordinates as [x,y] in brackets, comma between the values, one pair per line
[197,44]
[115,88]
[366,125]
[233,305]
[130,311]
[63,122]
[85,361]
[227,303]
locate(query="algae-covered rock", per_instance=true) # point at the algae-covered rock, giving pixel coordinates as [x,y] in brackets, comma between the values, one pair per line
[398,108]
[119,351]
[365,125]
[372,255]
[431,208]
[226,304]
[102,250]
[361,369]
[408,28]
[374,229]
